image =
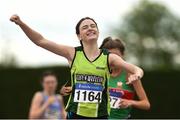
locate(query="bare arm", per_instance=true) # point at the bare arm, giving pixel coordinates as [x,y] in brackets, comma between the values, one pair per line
[143,102]
[63,109]
[133,77]
[37,109]
[119,63]
[62,50]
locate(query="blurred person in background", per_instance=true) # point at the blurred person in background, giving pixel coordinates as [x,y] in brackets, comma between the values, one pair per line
[90,68]
[46,104]
[121,90]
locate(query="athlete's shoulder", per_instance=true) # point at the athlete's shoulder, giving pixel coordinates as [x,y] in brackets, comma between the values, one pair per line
[60,97]
[38,96]
[39,93]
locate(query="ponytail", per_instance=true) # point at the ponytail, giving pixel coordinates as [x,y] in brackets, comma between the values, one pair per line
[109,43]
[106,40]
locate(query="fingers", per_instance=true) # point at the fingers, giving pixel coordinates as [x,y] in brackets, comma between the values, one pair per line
[129,82]
[123,106]
[62,90]
[68,88]
[65,90]
[15,19]
[65,94]
[132,78]
[124,103]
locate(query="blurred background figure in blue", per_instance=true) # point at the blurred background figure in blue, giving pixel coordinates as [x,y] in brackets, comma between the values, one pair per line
[46,104]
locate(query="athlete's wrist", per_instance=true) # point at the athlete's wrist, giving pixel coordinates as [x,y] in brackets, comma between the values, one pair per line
[131,103]
[21,23]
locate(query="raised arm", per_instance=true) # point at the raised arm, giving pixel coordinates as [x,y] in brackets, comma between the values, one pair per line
[62,50]
[118,62]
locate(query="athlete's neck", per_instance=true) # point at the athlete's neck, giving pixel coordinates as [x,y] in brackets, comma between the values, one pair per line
[91,50]
[48,93]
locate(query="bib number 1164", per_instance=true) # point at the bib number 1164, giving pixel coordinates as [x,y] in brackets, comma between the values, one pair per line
[87,96]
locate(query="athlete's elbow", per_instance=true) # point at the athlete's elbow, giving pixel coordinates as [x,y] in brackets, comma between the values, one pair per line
[140,71]
[33,115]
[147,106]
[40,42]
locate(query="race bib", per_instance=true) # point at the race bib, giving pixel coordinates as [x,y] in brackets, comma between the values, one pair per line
[88,93]
[115,97]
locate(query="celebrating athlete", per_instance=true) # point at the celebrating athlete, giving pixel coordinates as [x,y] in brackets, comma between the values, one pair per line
[122,91]
[90,68]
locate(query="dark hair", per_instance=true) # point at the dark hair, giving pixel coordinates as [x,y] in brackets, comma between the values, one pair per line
[109,43]
[47,73]
[79,23]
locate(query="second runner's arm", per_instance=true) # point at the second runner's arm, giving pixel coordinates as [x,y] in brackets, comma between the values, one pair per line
[117,61]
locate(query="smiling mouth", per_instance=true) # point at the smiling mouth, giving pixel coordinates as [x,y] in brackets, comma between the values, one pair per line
[91,33]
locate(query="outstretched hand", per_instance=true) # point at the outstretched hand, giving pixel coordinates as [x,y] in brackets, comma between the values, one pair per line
[16,19]
[132,78]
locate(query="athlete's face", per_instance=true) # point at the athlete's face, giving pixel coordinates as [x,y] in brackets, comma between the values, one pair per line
[50,83]
[116,51]
[88,31]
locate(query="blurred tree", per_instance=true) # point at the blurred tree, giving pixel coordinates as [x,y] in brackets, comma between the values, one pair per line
[8,60]
[152,36]
[7,57]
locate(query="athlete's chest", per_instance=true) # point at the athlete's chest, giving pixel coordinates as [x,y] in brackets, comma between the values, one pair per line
[84,66]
